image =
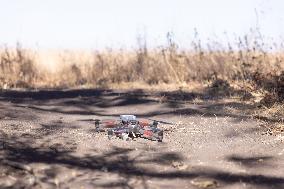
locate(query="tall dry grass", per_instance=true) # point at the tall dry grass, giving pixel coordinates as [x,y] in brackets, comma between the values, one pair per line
[20,67]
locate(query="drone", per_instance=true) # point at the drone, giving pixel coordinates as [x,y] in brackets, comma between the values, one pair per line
[127,126]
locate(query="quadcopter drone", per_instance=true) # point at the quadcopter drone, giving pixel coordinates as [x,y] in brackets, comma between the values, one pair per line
[127,126]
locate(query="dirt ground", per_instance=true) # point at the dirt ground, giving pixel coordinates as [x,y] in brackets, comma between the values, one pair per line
[48,140]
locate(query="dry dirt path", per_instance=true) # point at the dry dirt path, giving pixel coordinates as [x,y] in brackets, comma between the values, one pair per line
[48,141]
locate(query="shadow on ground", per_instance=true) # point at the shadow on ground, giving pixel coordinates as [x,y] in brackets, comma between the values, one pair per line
[23,149]
[19,150]
[97,101]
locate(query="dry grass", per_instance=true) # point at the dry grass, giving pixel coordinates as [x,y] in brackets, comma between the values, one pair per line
[276,111]
[26,68]
[247,60]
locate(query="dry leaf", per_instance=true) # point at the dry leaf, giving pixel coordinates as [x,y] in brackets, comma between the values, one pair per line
[179,165]
[205,183]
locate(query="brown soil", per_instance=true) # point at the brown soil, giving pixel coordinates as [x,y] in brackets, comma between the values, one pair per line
[48,140]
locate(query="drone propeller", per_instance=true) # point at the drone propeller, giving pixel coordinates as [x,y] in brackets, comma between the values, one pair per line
[86,120]
[98,121]
[159,121]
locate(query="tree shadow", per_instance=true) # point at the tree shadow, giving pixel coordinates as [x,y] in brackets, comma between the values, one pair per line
[100,102]
[254,161]
[120,161]
[25,149]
